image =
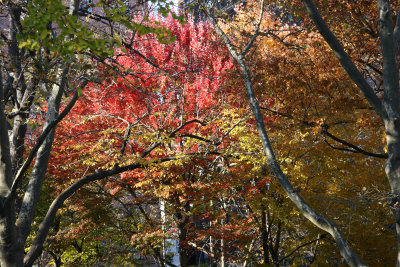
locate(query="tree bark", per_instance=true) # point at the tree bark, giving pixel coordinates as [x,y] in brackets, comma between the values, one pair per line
[8,248]
[33,191]
[10,255]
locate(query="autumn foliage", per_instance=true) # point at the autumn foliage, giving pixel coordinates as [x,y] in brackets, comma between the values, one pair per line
[178,109]
[165,100]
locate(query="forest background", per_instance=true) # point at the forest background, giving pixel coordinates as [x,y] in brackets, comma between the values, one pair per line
[131,128]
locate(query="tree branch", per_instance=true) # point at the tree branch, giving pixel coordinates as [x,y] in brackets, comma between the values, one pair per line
[289,116]
[303,245]
[345,59]
[308,212]
[253,38]
[172,134]
[196,137]
[324,131]
[37,244]
[183,125]
[354,148]
[40,141]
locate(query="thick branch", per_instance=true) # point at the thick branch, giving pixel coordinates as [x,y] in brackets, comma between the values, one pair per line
[354,148]
[37,245]
[40,141]
[345,59]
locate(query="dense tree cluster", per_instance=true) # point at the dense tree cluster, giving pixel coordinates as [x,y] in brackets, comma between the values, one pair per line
[263,133]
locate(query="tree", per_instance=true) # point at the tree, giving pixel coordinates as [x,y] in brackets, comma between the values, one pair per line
[315,106]
[46,55]
[161,100]
[240,58]
[387,108]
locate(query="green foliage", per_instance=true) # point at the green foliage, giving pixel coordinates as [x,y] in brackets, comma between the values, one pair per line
[49,25]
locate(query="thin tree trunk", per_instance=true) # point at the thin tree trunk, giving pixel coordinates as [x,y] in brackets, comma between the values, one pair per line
[264,236]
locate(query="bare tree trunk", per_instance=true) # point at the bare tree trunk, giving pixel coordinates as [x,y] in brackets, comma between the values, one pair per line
[34,188]
[13,236]
[8,248]
[10,253]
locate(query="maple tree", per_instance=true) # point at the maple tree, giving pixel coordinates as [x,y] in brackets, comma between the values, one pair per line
[387,107]
[176,190]
[308,120]
[46,47]
[201,196]
[166,100]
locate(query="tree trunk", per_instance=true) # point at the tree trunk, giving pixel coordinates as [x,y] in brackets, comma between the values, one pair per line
[34,188]
[10,255]
[392,169]
[264,236]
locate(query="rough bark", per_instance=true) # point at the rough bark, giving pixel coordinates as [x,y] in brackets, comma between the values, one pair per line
[391,102]
[17,75]
[21,93]
[9,253]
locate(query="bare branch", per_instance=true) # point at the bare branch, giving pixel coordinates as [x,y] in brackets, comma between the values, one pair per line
[196,137]
[183,125]
[253,38]
[289,116]
[172,134]
[299,247]
[354,148]
[345,59]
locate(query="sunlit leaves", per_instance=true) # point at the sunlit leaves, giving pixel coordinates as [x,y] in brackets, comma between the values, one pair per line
[50,25]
